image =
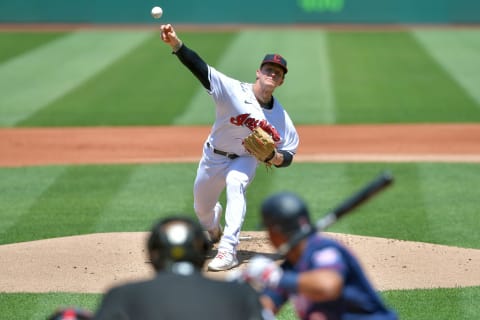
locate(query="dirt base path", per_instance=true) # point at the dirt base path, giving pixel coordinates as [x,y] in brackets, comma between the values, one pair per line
[392,143]
[103,260]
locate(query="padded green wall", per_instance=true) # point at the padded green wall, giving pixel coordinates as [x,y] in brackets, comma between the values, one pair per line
[245,11]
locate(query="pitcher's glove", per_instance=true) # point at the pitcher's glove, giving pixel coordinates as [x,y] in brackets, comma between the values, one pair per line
[260,144]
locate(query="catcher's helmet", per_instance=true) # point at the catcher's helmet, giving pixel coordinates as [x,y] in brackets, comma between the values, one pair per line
[177,239]
[287,213]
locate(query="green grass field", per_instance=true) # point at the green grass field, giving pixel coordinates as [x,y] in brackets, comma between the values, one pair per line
[130,78]
[113,78]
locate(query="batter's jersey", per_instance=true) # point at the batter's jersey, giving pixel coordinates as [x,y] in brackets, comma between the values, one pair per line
[171,296]
[238,113]
[358,301]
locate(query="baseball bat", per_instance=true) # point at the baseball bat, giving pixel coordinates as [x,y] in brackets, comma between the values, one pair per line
[378,184]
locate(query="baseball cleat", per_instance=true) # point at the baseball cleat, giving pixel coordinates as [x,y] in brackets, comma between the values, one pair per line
[224,260]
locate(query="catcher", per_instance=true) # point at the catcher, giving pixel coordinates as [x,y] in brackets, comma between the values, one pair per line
[236,144]
[177,249]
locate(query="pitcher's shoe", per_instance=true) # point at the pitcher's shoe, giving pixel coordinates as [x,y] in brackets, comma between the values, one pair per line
[224,260]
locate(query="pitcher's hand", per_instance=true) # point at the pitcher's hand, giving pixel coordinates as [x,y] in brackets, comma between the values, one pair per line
[169,36]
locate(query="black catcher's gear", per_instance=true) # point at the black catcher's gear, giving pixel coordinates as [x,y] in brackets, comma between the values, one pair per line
[178,239]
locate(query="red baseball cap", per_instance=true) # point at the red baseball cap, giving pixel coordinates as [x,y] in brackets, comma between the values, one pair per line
[275,59]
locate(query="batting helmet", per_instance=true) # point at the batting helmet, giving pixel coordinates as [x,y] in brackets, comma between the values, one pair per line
[287,213]
[177,239]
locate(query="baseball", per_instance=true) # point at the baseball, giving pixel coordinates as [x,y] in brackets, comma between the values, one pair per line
[157,12]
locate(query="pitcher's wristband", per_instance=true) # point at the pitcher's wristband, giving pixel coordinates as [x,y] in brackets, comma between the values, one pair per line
[177,47]
[289,281]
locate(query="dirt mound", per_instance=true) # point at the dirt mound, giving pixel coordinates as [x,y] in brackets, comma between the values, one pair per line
[93,263]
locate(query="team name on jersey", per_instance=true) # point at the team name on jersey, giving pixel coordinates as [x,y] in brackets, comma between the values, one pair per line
[251,123]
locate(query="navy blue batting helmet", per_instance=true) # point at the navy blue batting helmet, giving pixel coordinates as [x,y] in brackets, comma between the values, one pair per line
[287,213]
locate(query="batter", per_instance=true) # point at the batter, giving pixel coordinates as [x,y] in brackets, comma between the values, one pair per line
[321,277]
[225,164]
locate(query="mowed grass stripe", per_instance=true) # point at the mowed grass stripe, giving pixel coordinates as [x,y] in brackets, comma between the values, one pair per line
[335,77]
[71,205]
[420,193]
[87,199]
[17,43]
[35,79]
[418,304]
[389,77]
[40,306]
[468,307]
[309,101]
[427,304]
[159,190]
[451,190]
[19,190]
[458,52]
[307,93]
[147,86]
[391,213]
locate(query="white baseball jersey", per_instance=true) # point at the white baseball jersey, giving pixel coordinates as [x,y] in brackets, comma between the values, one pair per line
[238,113]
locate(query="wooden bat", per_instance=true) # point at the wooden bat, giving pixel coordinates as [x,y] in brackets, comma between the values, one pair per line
[378,184]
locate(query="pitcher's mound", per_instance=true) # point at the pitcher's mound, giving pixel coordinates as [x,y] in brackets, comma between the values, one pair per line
[95,262]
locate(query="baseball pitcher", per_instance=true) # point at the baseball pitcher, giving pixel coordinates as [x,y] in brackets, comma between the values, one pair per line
[251,127]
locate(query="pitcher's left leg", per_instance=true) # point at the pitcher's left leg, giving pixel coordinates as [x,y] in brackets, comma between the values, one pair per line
[237,182]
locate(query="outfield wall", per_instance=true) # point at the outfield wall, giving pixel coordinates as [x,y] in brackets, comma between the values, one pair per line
[245,11]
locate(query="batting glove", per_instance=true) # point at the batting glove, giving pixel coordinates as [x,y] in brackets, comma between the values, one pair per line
[263,272]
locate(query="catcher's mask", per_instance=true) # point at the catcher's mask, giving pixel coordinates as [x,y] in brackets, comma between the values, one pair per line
[177,239]
[287,213]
